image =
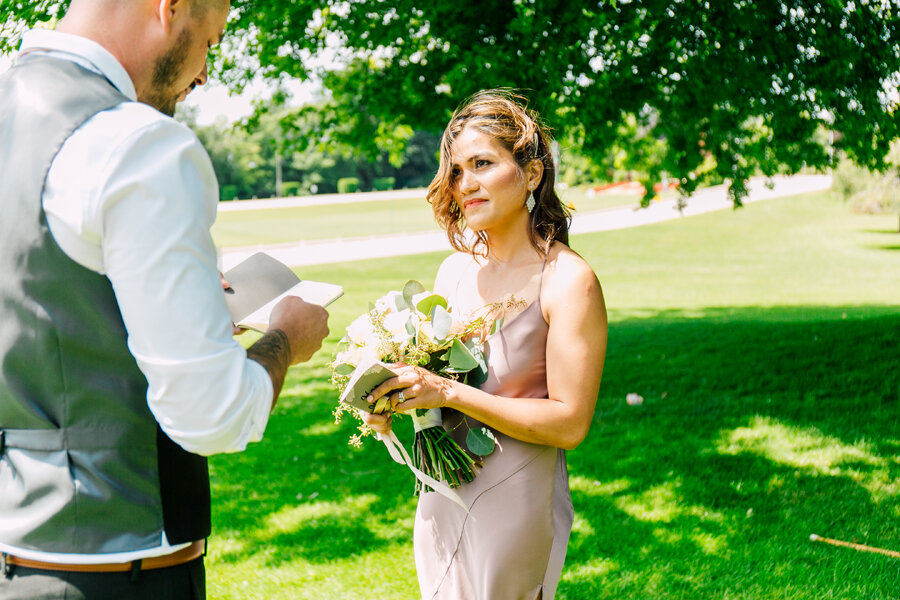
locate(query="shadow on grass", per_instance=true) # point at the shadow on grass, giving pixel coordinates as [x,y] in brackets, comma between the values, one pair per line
[759,427]
[305,491]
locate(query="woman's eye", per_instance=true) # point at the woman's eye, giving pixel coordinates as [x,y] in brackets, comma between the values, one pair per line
[482,162]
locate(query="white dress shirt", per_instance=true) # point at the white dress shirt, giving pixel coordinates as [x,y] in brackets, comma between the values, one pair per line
[132,195]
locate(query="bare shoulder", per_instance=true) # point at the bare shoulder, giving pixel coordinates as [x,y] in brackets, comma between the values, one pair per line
[569,281]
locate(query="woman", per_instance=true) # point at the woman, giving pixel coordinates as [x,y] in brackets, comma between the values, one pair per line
[496,178]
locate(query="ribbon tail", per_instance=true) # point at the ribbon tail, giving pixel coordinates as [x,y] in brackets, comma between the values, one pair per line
[392,443]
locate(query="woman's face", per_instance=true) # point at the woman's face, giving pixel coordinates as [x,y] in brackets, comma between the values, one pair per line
[486,182]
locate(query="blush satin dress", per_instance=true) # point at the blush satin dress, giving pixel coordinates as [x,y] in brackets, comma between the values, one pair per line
[512,544]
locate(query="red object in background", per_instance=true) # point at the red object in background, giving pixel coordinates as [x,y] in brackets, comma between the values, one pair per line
[631,187]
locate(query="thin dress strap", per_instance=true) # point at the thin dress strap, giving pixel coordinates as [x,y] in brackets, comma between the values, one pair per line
[541,281]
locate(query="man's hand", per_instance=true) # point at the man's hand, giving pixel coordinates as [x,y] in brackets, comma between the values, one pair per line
[296,331]
[235,330]
[304,324]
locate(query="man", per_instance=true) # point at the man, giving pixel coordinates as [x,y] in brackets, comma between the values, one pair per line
[118,369]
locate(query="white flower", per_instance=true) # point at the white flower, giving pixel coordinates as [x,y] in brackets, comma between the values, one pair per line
[426,331]
[634,399]
[350,356]
[357,355]
[361,332]
[388,303]
[395,323]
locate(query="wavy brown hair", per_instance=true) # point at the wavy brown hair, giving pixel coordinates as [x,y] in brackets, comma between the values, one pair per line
[502,114]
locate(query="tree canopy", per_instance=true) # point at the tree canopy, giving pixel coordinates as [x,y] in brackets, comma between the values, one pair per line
[678,87]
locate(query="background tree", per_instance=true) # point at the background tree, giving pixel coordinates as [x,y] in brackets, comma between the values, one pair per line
[739,86]
[246,155]
[868,191]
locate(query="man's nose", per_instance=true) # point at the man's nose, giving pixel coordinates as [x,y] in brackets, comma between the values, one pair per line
[203,76]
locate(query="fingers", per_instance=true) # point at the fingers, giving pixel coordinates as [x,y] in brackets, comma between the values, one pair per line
[384,388]
[305,324]
[400,400]
[235,330]
[379,423]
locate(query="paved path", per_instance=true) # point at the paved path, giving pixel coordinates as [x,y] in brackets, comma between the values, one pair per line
[340,250]
[320,199]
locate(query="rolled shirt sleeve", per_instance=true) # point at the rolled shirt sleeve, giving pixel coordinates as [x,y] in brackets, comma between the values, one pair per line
[151,212]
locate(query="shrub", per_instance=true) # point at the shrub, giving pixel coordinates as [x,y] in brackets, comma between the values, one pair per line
[347,185]
[228,192]
[382,184]
[289,188]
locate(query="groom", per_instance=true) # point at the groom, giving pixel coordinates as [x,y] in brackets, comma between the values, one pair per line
[118,369]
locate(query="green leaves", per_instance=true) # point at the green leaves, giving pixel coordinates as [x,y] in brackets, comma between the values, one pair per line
[412,288]
[430,303]
[441,322]
[461,358]
[343,369]
[697,92]
[481,441]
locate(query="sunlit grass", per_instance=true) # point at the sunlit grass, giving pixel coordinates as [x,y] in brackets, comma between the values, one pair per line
[764,344]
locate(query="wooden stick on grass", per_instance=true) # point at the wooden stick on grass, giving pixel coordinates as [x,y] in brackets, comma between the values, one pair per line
[860,547]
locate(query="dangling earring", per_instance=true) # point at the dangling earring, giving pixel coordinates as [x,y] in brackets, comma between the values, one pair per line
[529,204]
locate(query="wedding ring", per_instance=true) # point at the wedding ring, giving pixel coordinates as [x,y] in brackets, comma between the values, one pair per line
[401,398]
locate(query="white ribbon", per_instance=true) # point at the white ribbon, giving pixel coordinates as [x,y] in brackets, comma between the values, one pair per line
[399,454]
[431,418]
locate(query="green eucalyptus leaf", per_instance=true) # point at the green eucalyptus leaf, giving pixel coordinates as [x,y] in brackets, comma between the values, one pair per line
[480,441]
[441,321]
[497,325]
[343,369]
[412,288]
[429,303]
[421,412]
[400,303]
[461,359]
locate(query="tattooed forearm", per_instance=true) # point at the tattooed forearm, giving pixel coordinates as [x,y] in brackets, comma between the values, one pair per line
[273,351]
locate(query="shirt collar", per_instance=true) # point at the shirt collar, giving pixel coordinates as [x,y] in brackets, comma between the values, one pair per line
[80,50]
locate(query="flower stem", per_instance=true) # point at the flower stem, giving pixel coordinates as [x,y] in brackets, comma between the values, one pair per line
[438,455]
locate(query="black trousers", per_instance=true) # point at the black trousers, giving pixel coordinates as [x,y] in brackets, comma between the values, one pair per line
[182,582]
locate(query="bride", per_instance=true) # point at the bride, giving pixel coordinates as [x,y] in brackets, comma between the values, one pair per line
[496,178]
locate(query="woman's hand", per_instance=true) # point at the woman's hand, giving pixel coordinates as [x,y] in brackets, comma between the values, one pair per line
[415,388]
[380,423]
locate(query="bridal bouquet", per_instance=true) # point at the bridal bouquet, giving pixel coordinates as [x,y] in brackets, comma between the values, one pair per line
[414,326]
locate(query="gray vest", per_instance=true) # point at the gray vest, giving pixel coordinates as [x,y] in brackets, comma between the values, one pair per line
[84,467]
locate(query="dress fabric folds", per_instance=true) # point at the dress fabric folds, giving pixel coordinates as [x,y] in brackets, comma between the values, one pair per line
[512,544]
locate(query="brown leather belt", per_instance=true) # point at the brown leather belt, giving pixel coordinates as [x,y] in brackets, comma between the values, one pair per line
[186,554]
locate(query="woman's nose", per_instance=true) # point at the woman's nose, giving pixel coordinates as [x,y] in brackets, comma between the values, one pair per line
[467,182]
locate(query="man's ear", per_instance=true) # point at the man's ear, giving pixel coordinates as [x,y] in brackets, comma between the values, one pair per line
[169,11]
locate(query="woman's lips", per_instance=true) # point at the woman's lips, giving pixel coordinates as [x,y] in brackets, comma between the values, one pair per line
[474,202]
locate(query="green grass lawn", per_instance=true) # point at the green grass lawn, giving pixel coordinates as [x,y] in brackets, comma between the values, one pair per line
[378,217]
[764,342]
